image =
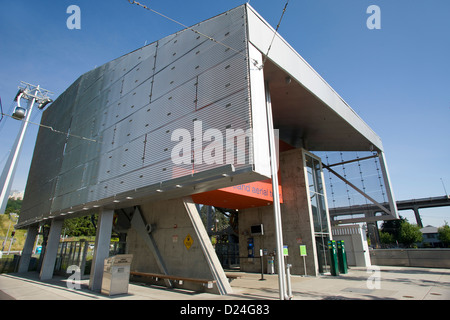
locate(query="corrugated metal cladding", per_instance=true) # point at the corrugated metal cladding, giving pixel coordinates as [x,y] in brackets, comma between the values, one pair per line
[127,110]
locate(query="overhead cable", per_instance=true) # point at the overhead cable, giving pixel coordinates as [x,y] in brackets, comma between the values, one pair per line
[275,33]
[54,130]
[189,28]
[1,109]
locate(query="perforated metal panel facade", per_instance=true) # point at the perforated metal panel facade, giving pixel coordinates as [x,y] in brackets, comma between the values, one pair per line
[184,115]
[122,120]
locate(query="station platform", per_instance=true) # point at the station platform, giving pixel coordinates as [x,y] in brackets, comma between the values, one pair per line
[395,283]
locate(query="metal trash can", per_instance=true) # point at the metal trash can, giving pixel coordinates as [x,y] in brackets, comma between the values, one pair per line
[116,274]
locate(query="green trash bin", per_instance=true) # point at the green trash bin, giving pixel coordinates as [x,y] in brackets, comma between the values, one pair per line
[342,256]
[332,248]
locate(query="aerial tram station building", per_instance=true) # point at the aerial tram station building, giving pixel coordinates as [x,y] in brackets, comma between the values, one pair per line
[185,121]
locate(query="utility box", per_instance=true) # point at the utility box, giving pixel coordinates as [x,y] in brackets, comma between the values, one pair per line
[342,256]
[116,274]
[332,248]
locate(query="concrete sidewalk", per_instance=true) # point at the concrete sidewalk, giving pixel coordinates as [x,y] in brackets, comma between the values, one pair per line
[395,283]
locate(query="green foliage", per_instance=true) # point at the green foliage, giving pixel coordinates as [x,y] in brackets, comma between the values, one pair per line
[444,234]
[386,238]
[13,206]
[81,226]
[6,222]
[400,230]
[409,234]
[392,227]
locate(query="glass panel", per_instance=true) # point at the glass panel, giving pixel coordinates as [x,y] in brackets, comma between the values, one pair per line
[322,253]
[315,212]
[319,211]
[323,213]
[318,174]
[316,195]
[309,169]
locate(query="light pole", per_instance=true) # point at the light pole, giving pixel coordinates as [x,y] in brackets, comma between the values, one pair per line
[33,94]
[11,241]
[12,215]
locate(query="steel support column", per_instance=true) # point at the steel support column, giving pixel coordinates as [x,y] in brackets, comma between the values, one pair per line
[28,248]
[48,265]
[276,199]
[101,251]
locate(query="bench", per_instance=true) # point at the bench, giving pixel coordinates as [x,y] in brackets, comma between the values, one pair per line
[232,276]
[205,282]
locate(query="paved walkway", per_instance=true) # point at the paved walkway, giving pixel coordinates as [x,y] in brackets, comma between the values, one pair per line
[395,283]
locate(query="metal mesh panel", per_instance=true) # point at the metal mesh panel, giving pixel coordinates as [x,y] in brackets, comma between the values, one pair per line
[120,117]
[47,159]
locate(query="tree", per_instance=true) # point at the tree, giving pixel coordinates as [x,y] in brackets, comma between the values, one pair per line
[386,238]
[392,227]
[444,234]
[409,234]
[81,226]
[13,206]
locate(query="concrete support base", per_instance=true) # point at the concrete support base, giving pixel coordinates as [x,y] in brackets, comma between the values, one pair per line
[184,246]
[296,218]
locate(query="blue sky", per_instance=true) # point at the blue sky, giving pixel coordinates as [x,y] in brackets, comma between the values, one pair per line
[396,78]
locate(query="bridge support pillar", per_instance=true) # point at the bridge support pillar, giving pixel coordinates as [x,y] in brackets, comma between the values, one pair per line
[372,230]
[418,219]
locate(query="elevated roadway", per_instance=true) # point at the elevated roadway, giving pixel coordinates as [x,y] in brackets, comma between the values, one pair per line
[367,213]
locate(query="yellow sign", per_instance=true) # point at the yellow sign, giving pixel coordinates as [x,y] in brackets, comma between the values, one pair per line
[188,241]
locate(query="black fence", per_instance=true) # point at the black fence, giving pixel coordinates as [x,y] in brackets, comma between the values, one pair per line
[10,263]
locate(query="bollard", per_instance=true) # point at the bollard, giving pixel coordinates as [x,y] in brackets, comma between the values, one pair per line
[288,281]
[342,257]
[262,264]
[333,258]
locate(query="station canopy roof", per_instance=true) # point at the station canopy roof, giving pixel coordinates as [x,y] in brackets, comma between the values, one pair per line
[306,109]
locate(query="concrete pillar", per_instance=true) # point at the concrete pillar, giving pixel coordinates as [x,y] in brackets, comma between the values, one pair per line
[101,251]
[372,230]
[374,235]
[172,221]
[417,214]
[28,249]
[48,264]
[297,221]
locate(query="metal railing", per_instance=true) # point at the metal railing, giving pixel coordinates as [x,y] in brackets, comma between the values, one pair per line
[73,253]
